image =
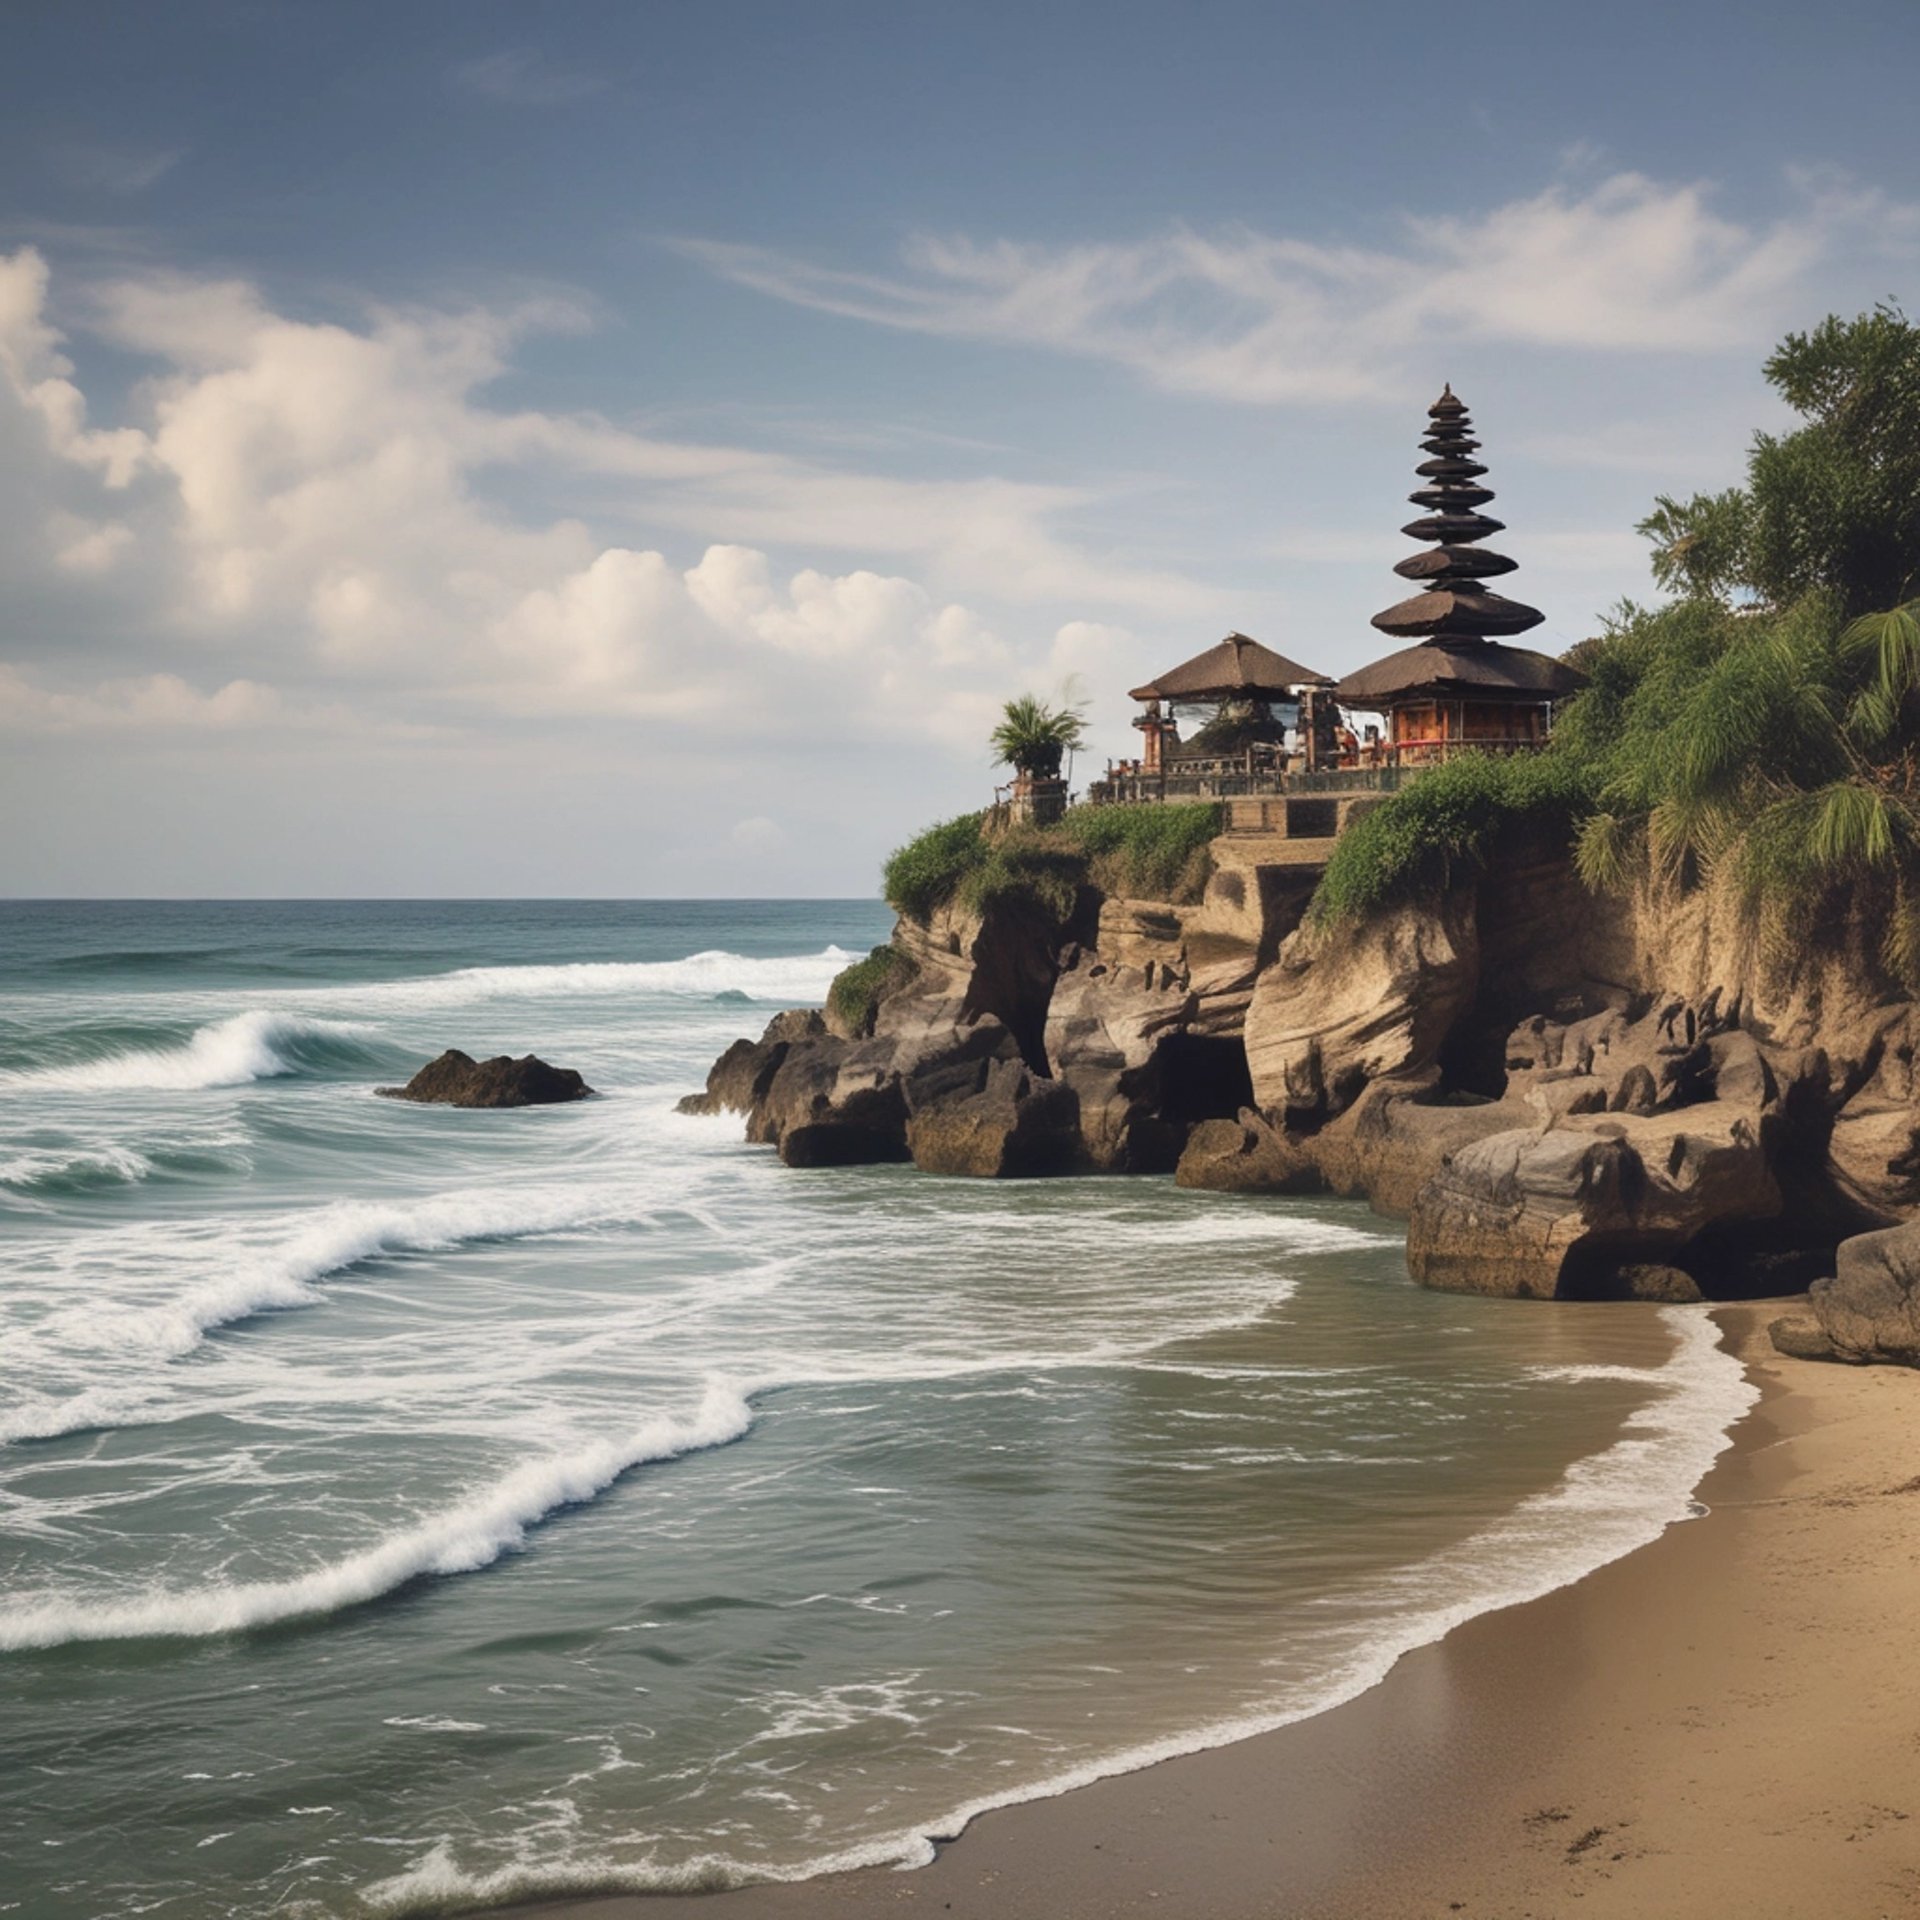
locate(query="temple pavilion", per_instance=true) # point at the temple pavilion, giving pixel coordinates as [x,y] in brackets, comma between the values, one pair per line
[1243,702]
[1460,687]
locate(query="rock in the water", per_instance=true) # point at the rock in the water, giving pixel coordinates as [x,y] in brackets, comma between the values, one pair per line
[1593,1209]
[1245,1156]
[456,1079]
[991,1119]
[743,1073]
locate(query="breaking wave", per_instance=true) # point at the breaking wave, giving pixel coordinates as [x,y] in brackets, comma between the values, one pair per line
[281,1273]
[1605,1507]
[73,1169]
[472,1534]
[228,1053]
[788,978]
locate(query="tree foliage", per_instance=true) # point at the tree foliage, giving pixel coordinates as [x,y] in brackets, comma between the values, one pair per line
[1033,737]
[1834,505]
[1760,732]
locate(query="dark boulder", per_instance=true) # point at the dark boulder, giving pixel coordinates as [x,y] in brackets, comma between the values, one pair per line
[739,1079]
[1870,1309]
[456,1079]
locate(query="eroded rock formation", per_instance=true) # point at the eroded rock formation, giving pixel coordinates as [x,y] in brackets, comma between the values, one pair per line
[1564,1095]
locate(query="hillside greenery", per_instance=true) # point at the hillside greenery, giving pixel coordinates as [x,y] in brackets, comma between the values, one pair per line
[1762,730]
[856,990]
[1156,852]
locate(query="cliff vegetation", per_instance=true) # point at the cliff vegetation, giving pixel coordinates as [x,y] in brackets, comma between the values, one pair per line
[1147,852]
[1761,732]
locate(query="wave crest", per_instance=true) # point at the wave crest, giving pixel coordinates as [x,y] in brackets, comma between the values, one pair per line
[784,977]
[228,1053]
[472,1534]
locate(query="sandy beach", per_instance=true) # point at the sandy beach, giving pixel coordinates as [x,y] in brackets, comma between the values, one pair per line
[1725,1722]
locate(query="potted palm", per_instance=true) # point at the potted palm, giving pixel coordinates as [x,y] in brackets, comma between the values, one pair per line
[1033,738]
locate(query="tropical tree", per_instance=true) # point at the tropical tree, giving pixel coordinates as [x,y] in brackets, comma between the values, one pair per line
[1033,737]
[1830,506]
[1762,731]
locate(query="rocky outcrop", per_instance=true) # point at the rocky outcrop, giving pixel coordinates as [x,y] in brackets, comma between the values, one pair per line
[1026,1042]
[1343,1006]
[741,1076]
[1870,1308]
[1245,1155]
[456,1079]
[1565,1096]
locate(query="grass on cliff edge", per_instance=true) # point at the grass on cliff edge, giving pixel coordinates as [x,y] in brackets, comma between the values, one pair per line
[1443,825]
[1152,852]
[856,990]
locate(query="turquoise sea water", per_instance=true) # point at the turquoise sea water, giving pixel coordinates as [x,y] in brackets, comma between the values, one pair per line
[404,1509]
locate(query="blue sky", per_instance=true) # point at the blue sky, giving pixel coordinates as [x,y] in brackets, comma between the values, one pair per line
[621,449]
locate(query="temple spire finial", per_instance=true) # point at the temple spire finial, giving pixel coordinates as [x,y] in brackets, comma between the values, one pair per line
[1452,604]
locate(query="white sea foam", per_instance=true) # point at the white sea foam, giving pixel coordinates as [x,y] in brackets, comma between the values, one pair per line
[229,1053]
[787,978]
[73,1166]
[474,1533]
[269,1275]
[1603,1508]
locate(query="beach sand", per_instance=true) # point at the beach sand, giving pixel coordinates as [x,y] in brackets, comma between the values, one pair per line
[1725,1723]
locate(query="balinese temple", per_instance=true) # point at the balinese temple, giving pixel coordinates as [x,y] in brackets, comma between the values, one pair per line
[1460,687]
[1251,696]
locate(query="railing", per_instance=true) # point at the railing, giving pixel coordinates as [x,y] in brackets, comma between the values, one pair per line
[1240,776]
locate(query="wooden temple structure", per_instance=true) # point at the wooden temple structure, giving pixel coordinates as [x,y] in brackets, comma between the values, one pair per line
[1461,689]
[1269,728]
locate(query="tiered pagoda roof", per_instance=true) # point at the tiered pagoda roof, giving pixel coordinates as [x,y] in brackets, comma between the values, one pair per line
[1236,669]
[1454,613]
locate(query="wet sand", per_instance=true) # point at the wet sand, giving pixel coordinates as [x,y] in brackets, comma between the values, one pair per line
[1727,1722]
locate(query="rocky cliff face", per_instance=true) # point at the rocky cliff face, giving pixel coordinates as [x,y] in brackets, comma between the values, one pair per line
[1565,1095]
[1025,1043]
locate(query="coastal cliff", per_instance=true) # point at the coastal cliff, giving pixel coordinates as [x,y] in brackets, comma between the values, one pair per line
[1565,1092]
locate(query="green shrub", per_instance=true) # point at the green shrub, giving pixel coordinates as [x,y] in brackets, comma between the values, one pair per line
[856,991]
[1443,824]
[1156,852]
[1037,864]
[927,871]
[1151,852]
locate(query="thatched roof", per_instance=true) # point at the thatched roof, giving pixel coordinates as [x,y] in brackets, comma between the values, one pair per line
[1456,608]
[1236,669]
[1449,669]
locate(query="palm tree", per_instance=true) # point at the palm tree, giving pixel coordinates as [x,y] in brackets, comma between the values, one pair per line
[1033,738]
[1785,756]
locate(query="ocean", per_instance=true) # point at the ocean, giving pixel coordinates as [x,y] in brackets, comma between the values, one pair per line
[404,1509]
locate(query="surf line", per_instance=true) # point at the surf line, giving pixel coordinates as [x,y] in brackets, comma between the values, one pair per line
[466,1537]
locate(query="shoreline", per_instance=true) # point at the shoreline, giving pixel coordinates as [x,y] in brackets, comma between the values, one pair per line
[1650,1738]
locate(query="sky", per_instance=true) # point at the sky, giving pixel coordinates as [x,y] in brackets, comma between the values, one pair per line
[465,449]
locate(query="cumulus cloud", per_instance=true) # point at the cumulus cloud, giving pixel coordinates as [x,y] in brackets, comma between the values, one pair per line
[150,701]
[329,502]
[41,377]
[1628,265]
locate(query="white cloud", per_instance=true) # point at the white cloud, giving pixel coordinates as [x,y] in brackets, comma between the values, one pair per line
[118,169]
[157,701]
[32,364]
[1629,265]
[322,500]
